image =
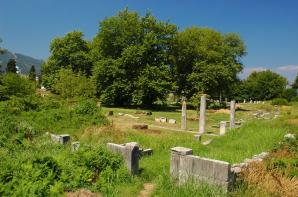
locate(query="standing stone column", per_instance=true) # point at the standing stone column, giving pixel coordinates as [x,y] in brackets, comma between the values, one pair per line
[202,114]
[183,116]
[232,114]
[176,154]
[222,128]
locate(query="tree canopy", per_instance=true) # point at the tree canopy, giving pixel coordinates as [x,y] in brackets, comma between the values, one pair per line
[70,51]
[132,58]
[203,58]
[264,85]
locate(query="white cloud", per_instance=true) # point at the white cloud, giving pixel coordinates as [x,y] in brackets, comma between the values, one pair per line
[288,68]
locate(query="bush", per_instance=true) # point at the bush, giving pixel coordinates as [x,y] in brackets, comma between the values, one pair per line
[68,85]
[279,101]
[217,106]
[290,94]
[15,85]
[47,169]
[86,107]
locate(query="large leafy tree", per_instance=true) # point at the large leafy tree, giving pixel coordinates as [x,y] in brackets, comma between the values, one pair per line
[11,66]
[70,51]
[132,58]
[207,61]
[264,85]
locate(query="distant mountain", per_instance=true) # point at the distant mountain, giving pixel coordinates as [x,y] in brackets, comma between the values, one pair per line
[23,62]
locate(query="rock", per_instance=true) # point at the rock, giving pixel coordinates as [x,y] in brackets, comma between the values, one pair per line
[110,113]
[207,142]
[172,121]
[120,114]
[62,139]
[263,155]
[75,146]
[198,137]
[131,116]
[147,152]
[289,136]
[149,113]
[163,119]
[236,169]
[140,126]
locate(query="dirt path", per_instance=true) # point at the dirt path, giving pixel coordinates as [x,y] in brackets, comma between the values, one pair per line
[148,188]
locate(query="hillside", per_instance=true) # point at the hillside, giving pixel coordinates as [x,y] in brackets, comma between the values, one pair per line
[24,62]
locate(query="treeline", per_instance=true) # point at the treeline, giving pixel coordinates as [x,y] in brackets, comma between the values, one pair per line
[137,59]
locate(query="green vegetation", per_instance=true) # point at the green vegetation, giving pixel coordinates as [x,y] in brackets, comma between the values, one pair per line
[32,73]
[139,60]
[11,66]
[264,85]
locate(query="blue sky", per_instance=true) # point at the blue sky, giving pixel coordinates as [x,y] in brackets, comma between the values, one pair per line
[269,28]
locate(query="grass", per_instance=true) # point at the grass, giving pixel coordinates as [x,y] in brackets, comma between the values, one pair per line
[253,137]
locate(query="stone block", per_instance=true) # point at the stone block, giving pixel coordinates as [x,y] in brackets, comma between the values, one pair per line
[75,146]
[110,113]
[198,137]
[185,166]
[64,138]
[157,119]
[147,152]
[140,126]
[172,121]
[55,138]
[222,127]
[163,119]
[130,152]
[181,151]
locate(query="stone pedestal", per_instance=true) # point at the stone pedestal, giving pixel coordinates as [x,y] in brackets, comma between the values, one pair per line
[183,116]
[232,114]
[130,152]
[202,114]
[222,127]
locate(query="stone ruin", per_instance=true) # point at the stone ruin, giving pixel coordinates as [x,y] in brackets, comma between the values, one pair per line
[185,166]
[130,152]
[62,139]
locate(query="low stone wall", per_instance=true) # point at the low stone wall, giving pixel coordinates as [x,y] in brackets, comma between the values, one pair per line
[185,166]
[62,139]
[130,152]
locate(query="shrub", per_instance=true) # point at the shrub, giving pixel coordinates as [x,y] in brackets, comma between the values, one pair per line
[86,107]
[15,85]
[217,105]
[69,85]
[279,101]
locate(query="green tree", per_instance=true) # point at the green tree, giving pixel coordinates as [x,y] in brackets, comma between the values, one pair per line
[132,58]
[32,73]
[11,66]
[207,61]
[289,94]
[69,84]
[12,84]
[264,85]
[295,84]
[71,52]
